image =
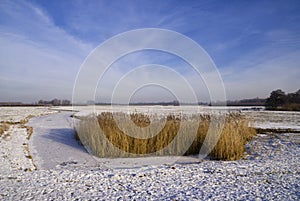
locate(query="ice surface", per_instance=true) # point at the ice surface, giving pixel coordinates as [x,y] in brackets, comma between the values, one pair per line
[53,142]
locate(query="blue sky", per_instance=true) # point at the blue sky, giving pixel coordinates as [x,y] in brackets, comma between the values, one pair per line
[254,44]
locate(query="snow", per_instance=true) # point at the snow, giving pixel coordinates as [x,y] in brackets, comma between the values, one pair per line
[269,170]
[13,150]
[17,114]
[155,109]
[275,119]
[53,143]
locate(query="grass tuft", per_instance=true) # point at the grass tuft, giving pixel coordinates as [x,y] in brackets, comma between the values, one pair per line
[3,127]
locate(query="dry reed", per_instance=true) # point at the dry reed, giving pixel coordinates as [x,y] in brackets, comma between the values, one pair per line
[3,127]
[104,136]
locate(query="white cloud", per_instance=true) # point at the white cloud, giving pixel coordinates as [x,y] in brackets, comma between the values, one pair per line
[259,73]
[37,59]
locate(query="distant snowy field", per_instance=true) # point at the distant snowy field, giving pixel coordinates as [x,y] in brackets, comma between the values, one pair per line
[262,118]
[17,114]
[275,119]
[269,170]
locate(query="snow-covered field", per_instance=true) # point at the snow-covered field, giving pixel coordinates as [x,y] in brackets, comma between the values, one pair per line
[275,119]
[156,109]
[17,114]
[262,118]
[14,149]
[65,171]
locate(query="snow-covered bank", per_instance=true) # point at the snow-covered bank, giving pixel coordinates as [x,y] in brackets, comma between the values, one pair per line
[14,149]
[272,173]
[14,153]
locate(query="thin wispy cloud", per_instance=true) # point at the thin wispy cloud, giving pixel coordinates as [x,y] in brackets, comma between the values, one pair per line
[37,59]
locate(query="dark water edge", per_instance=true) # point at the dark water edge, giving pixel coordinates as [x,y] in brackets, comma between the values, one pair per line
[276,130]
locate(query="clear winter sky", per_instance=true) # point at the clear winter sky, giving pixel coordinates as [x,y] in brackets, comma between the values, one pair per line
[254,44]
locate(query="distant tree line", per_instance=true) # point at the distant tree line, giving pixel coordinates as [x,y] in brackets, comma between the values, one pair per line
[247,102]
[55,102]
[174,103]
[11,104]
[278,100]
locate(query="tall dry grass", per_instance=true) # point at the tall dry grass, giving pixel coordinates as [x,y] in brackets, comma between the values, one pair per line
[3,127]
[236,132]
[112,135]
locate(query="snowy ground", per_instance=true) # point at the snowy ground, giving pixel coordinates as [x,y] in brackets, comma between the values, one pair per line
[17,114]
[156,109]
[275,119]
[269,171]
[14,149]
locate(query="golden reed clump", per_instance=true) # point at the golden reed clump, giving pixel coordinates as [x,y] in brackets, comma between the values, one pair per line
[3,127]
[103,137]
